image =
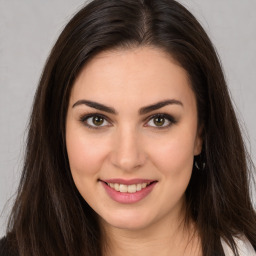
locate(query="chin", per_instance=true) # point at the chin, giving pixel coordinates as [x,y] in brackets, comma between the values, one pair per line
[128,220]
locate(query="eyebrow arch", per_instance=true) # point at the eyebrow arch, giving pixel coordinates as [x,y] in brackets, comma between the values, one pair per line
[158,105]
[142,111]
[95,105]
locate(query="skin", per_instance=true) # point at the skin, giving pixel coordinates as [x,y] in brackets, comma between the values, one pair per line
[129,145]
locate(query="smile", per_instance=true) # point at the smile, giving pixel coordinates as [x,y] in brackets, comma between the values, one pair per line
[133,188]
[128,192]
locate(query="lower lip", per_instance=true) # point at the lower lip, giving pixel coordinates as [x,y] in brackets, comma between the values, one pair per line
[128,198]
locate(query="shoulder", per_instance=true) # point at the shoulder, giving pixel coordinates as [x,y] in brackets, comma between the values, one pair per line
[6,249]
[243,245]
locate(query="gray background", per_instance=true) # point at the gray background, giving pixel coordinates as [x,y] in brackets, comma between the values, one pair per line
[28,29]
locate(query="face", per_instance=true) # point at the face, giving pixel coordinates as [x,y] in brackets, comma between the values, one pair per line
[131,136]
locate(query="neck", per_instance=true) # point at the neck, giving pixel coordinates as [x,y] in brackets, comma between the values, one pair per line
[162,239]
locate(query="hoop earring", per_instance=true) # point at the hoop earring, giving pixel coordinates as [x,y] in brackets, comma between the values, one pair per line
[199,168]
[199,164]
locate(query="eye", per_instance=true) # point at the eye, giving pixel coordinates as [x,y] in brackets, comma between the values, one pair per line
[161,121]
[94,121]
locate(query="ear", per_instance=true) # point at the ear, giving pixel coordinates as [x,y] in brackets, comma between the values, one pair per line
[198,141]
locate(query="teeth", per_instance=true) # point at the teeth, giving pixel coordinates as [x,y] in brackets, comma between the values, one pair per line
[123,188]
[138,187]
[128,188]
[132,188]
[143,185]
[116,187]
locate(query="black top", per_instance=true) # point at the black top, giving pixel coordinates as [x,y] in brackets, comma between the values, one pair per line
[5,248]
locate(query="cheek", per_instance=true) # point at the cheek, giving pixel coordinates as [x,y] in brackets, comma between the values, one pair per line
[174,161]
[174,156]
[85,153]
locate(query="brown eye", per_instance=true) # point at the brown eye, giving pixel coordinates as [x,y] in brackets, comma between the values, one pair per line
[94,121]
[159,121]
[97,120]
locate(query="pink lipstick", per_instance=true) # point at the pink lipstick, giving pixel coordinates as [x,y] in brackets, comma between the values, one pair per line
[128,191]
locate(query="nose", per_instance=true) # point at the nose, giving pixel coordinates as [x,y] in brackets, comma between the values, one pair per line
[127,153]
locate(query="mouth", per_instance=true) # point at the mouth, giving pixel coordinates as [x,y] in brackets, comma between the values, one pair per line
[128,191]
[132,188]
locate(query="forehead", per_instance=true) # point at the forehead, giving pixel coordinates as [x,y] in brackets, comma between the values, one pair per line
[132,75]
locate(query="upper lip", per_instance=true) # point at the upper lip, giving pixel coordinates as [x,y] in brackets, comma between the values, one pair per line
[128,182]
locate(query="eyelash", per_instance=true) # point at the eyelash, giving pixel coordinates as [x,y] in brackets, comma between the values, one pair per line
[84,119]
[169,118]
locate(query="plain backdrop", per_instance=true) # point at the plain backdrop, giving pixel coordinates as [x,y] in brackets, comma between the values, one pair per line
[28,30]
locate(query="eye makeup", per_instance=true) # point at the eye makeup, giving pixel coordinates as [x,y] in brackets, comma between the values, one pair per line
[94,120]
[161,121]
[99,121]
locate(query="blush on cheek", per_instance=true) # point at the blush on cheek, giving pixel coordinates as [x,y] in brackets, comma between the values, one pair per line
[174,158]
[84,157]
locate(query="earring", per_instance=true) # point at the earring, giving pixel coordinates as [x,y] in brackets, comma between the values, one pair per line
[199,164]
[199,168]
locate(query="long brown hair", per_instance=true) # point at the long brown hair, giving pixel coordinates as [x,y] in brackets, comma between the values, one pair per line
[49,216]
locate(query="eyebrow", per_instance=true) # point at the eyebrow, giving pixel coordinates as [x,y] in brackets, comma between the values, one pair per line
[158,105]
[142,111]
[95,105]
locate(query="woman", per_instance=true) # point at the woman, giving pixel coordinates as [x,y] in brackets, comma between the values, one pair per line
[133,147]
